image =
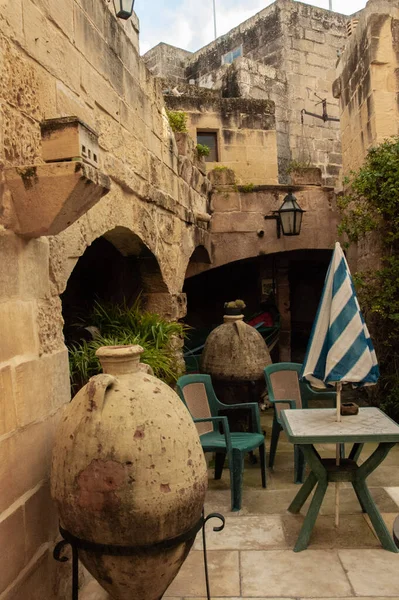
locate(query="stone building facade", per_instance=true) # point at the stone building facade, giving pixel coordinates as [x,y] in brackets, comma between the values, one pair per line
[73,58]
[287,53]
[367,88]
[147,196]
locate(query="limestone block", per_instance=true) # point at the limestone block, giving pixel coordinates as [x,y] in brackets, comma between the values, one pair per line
[34,269]
[40,519]
[172,307]
[9,265]
[136,154]
[11,20]
[95,86]
[12,548]
[50,47]
[169,227]
[69,103]
[59,13]
[236,222]
[110,136]
[221,175]
[225,201]
[8,420]
[50,325]
[71,188]
[25,461]
[21,138]
[36,581]
[97,52]
[41,385]
[18,329]
[19,82]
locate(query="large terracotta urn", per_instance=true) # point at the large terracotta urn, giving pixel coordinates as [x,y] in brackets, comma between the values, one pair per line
[128,470]
[235,355]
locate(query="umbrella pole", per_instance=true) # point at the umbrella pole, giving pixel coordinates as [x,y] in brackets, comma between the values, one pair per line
[337,450]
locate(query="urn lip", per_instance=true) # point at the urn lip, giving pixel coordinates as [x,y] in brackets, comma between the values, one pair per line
[128,351]
[232,318]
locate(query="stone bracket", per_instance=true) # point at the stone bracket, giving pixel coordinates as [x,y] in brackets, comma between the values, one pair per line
[43,200]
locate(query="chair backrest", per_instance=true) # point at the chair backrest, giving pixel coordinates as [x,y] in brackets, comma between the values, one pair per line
[192,389]
[282,380]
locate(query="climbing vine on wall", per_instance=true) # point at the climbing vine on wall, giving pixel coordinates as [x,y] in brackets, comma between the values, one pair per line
[372,205]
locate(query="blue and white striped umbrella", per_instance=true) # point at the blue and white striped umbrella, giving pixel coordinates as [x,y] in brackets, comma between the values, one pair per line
[340,348]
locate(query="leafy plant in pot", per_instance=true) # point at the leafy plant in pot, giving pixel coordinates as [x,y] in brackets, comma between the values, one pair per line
[234,307]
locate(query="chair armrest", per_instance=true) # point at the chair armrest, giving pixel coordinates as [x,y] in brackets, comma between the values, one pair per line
[225,426]
[252,406]
[292,403]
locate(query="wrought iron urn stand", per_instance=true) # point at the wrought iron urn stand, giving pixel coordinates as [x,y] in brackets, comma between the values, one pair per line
[109,550]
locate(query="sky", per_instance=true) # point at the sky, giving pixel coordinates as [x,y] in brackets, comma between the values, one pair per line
[188,24]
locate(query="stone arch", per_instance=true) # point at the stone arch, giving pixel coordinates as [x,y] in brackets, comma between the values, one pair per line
[200,260]
[116,267]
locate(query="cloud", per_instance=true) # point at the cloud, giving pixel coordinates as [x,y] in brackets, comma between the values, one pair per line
[188,24]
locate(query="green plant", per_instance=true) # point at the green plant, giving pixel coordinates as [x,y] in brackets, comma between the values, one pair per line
[247,188]
[177,120]
[220,168]
[235,304]
[203,150]
[370,207]
[123,325]
[296,166]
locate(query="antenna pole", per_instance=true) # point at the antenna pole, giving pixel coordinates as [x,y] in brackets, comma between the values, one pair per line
[330,4]
[214,17]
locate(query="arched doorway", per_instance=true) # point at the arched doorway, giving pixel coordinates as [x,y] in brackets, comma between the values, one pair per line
[289,282]
[116,268]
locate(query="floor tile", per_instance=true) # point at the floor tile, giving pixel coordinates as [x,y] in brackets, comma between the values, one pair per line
[394,494]
[223,575]
[372,572]
[246,533]
[269,502]
[389,519]
[353,532]
[349,504]
[384,476]
[284,573]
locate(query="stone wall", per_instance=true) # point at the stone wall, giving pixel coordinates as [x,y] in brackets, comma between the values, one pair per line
[295,46]
[367,84]
[167,61]
[245,130]
[239,230]
[60,59]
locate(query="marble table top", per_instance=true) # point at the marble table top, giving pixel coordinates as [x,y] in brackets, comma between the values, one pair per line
[320,425]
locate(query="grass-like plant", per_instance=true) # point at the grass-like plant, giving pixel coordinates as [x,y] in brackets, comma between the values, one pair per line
[203,150]
[177,120]
[123,325]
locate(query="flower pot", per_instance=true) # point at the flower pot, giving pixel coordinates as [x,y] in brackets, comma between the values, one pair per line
[128,470]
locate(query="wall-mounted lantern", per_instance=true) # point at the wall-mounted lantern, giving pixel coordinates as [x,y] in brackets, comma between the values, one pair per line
[288,217]
[124,8]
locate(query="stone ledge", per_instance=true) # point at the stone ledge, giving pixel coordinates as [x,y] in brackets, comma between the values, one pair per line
[71,189]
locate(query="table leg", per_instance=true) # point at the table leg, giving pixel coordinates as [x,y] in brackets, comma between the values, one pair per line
[303,494]
[317,475]
[365,498]
[355,452]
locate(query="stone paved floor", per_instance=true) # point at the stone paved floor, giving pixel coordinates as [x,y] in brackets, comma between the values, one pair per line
[253,558]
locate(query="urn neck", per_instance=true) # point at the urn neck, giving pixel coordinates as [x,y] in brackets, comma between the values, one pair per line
[119,360]
[232,318]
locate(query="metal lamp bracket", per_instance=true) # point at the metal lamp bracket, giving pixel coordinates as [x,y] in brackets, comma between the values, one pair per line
[275,217]
[324,117]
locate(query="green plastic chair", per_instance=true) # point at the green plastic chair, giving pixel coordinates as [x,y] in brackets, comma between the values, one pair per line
[198,395]
[286,391]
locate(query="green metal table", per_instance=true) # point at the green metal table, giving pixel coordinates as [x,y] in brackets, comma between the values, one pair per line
[307,427]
